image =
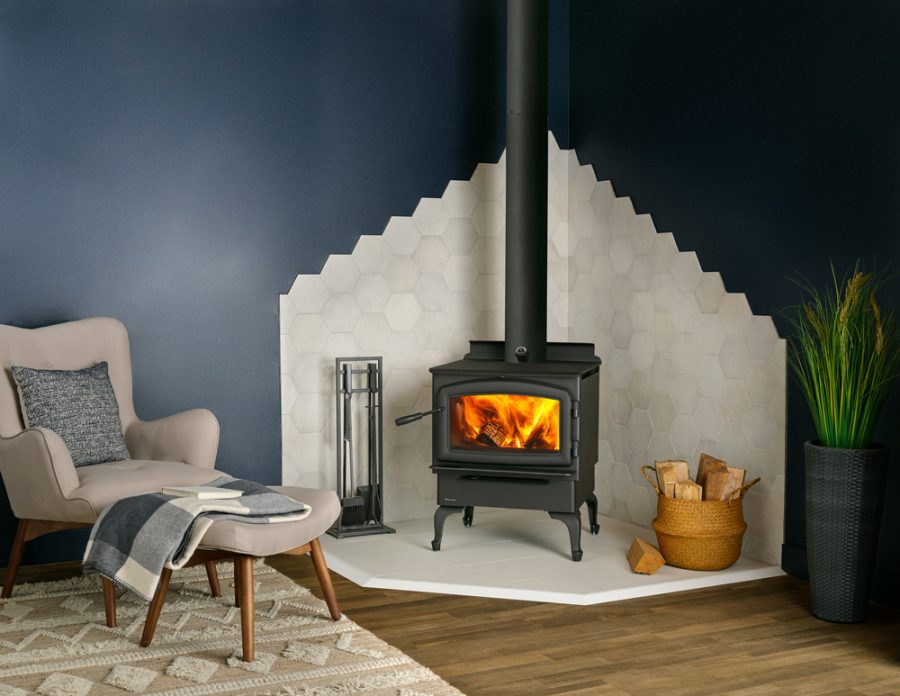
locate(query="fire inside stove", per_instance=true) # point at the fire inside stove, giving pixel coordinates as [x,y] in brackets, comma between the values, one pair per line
[504,421]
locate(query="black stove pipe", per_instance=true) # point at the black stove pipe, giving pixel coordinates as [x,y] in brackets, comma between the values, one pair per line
[526,181]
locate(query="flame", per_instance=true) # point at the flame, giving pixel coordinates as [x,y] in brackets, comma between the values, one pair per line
[512,421]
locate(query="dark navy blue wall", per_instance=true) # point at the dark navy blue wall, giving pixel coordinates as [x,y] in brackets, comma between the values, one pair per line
[175,163]
[766,136]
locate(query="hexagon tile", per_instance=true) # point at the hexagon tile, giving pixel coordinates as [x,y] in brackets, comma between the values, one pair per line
[687,367]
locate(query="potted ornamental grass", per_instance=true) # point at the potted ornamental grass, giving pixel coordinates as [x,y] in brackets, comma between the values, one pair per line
[845,357]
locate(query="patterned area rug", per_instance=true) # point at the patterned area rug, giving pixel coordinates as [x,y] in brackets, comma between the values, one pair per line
[54,642]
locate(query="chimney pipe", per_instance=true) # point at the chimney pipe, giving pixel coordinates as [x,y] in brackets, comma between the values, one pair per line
[526,181]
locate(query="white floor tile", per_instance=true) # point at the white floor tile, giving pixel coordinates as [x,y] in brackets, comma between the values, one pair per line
[516,554]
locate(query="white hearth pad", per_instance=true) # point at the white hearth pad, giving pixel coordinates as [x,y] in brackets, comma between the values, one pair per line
[516,554]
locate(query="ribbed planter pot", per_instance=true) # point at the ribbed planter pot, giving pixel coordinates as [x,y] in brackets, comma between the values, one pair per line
[844,498]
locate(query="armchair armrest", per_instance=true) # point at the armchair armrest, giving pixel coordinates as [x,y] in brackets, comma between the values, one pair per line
[191,437]
[39,475]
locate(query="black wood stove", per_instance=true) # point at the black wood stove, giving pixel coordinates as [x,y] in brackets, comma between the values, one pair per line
[516,421]
[517,435]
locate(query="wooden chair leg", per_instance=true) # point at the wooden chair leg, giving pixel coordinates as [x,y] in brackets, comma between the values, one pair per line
[156,607]
[213,575]
[15,558]
[109,601]
[318,559]
[237,582]
[247,608]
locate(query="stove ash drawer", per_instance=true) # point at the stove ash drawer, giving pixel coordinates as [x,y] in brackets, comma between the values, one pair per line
[521,493]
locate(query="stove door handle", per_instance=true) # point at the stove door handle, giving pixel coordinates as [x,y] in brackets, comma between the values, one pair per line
[412,417]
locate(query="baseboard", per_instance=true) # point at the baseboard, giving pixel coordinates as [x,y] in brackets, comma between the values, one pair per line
[885,585]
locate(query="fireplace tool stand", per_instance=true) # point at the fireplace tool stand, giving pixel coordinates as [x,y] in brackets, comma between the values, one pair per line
[362,506]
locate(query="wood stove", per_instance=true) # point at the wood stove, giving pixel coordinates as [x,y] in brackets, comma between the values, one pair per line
[517,435]
[516,421]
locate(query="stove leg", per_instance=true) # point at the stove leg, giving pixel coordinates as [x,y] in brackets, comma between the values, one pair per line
[441,514]
[592,513]
[468,516]
[573,522]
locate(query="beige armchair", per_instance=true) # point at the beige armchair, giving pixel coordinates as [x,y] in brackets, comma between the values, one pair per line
[46,491]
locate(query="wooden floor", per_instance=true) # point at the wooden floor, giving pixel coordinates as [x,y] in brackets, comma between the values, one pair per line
[751,639]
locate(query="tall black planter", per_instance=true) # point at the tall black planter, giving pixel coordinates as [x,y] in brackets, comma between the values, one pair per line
[844,498]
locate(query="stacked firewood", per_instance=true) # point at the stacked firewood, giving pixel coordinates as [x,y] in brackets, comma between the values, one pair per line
[715,479]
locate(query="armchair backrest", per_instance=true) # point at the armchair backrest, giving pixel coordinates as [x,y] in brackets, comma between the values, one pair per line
[70,346]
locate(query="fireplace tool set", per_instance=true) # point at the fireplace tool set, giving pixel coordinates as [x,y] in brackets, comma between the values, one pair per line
[362,504]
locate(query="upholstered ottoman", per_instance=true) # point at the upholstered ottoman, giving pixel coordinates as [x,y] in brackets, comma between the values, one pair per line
[229,540]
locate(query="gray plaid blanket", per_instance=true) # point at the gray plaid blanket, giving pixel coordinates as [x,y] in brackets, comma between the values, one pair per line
[135,538]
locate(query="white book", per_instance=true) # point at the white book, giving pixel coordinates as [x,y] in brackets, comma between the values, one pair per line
[202,492]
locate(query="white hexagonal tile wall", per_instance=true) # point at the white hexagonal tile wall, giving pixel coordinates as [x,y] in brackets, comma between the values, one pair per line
[686,367]
[431,216]
[402,312]
[401,235]
[309,333]
[372,332]
[432,292]
[460,236]
[431,255]
[340,314]
[340,273]
[371,293]
[489,182]
[402,273]
[371,253]
[460,198]
[709,292]
[460,274]
[488,219]
[662,412]
[308,294]
[734,357]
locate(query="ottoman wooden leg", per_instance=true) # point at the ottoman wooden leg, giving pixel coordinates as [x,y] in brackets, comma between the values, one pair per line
[247,607]
[318,559]
[156,607]
[109,601]
[213,575]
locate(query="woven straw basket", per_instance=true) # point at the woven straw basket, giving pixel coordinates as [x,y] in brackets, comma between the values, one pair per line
[699,535]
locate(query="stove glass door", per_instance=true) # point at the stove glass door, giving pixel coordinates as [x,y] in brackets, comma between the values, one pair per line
[497,422]
[504,421]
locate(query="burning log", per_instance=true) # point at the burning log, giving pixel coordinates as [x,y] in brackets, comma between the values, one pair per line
[492,434]
[537,440]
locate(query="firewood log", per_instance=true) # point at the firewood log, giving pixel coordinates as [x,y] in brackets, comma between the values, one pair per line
[736,481]
[707,465]
[644,558]
[688,490]
[717,486]
[670,472]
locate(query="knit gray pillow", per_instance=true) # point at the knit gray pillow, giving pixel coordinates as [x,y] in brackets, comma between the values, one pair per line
[79,406]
